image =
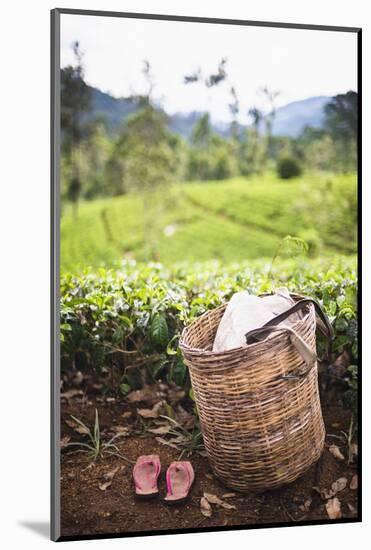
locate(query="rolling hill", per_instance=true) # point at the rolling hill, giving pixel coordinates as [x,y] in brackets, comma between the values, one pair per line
[230,220]
[290,119]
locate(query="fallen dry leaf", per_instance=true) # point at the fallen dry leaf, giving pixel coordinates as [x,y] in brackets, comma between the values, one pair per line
[147,393]
[205,508]
[185,419]
[175,395]
[64,441]
[168,443]
[77,378]
[339,485]
[336,487]
[126,414]
[107,479]
[76,427]
[339,367]
[71,393]
[354,482]
[352,508]
[325,494]
[353,452]
[161,430]
[305,507]
[81,430]
[119,429]
[336,452]
[151,413]
[227,506]
[229,495]
[70,423]
[333,508]
[213,499]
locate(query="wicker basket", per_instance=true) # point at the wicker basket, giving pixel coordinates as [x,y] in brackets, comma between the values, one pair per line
[258,405]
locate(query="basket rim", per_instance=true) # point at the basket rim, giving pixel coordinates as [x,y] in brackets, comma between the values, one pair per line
[272,338]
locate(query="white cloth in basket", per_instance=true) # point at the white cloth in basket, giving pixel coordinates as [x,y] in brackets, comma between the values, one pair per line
[246,312]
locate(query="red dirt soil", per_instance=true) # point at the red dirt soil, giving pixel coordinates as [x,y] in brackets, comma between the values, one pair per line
[88,510]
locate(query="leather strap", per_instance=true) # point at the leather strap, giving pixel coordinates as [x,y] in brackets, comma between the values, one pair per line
[323,322]
[309,356]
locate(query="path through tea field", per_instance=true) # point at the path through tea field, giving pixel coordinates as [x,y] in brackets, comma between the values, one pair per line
[229,220]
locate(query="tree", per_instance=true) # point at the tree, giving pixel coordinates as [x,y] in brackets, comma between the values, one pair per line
[144,161]
[234,109]
[96,150]
[341,123]
[341,116]
[212,157]
[251,159]
[211,80]
[270,97]
[201,132]
[75,103]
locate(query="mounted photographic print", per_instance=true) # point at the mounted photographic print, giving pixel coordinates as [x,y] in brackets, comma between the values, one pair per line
[205,199]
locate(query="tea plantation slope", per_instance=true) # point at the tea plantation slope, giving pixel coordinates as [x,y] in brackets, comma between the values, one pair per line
[229,220]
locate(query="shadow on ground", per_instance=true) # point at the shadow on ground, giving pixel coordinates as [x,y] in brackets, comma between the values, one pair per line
[41,528]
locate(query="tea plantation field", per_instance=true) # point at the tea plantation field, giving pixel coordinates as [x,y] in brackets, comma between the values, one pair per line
[230,220]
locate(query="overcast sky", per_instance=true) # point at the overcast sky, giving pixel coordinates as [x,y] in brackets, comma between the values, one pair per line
[298,63]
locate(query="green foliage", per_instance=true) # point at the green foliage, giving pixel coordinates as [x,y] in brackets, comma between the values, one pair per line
[159,331]
[75,103]
[211,157]
[90,161]
[289,247]
[95,447]
[146,155]
[341,116]
[337,145]
[142,158]
[202,132]
[186,441]
[133,316]
[288,167]
[144,162]
[230,220]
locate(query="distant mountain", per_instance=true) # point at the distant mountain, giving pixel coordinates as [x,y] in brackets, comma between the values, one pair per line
[290,119]
[183,123]
[113,110]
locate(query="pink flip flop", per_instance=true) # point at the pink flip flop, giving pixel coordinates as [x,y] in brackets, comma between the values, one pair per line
[179,480]
[145,474]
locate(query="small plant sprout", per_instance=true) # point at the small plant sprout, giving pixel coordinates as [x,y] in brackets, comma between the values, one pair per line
[349,436]
[291,246]
[96,447]
[187,442]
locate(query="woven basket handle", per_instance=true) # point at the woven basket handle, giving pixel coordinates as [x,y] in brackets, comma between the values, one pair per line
[308,355]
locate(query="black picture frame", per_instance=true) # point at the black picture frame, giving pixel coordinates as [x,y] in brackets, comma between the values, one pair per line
[55,259]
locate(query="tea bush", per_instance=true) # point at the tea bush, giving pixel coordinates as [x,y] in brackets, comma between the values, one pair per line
[130,318]
[288,167]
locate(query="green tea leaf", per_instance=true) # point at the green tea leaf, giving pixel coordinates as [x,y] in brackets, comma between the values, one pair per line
[159,330]
[124,389]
